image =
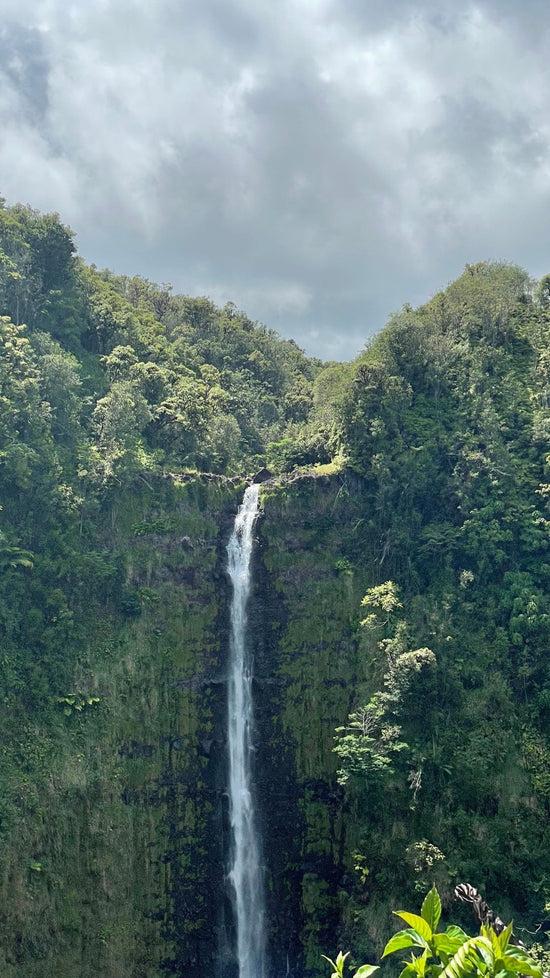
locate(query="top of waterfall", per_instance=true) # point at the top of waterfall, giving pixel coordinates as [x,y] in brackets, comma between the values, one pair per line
[262,476]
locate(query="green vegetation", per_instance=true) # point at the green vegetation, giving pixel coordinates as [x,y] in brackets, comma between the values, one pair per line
[450,953]
[401,613]
[136,377]
[445,424]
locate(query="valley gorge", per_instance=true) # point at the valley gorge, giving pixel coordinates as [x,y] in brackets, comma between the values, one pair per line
[390,729]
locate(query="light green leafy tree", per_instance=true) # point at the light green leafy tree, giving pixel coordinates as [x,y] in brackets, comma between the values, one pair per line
[372,738]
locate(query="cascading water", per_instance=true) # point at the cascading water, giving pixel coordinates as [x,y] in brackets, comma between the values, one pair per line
[245,875]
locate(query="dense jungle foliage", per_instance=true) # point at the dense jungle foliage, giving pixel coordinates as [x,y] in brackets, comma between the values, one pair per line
[441,770]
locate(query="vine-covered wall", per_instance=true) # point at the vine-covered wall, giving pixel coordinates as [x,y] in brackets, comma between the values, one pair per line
[115,837]
[119,864]
[113,864]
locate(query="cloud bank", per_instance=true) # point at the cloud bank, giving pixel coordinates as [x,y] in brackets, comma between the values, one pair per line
[318,162]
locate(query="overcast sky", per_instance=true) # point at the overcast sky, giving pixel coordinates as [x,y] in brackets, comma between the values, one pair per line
[317,162]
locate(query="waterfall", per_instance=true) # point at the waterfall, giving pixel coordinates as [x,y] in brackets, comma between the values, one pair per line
[245,875]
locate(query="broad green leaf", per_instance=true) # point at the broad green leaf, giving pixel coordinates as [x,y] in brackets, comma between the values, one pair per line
[366,970]
[485,951]
[504,937]
[520,962]
[488,934]
[498,941]
[447,944]
[469,956]
[404,938]
[420,925]
[454,931]
[431,908]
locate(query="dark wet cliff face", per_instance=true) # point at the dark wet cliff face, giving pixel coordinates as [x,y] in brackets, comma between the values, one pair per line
[301,626]
[302,618]
[120,864]
[112,859]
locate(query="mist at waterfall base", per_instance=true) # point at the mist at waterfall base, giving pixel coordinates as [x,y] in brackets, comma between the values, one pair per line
[245,869]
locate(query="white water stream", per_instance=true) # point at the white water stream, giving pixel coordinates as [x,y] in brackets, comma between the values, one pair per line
[245,874]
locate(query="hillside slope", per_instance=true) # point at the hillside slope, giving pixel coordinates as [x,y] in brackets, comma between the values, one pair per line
[416,477]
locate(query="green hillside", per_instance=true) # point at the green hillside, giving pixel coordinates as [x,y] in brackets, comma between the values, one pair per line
[400,613]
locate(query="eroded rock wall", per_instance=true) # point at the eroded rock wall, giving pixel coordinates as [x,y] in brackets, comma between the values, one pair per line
[116,863]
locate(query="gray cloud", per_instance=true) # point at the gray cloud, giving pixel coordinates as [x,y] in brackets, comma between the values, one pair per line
[24,69]
[319,162]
